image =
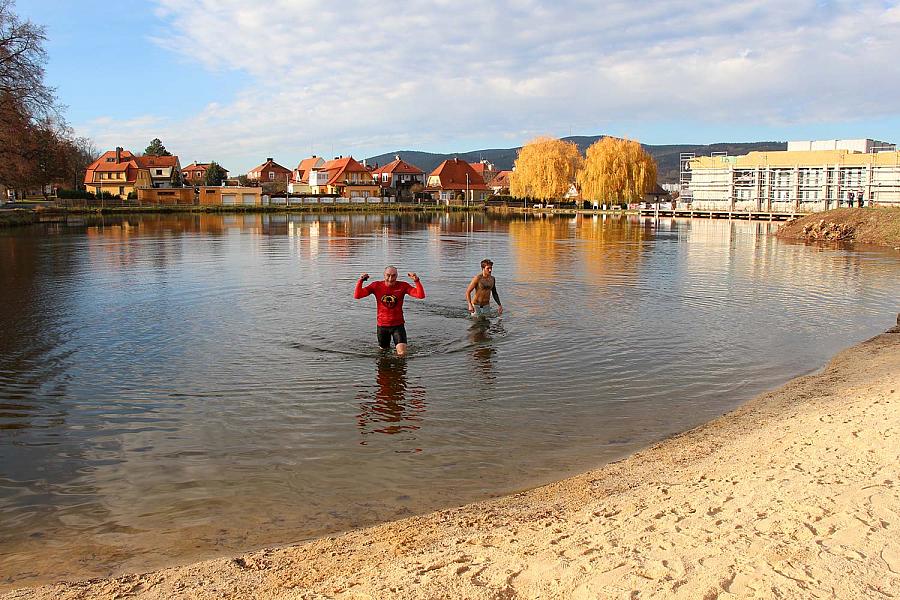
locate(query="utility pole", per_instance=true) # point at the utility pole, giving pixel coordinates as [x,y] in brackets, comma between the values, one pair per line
[467,190]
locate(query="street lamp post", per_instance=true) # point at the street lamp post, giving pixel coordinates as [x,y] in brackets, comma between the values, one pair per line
[467,190]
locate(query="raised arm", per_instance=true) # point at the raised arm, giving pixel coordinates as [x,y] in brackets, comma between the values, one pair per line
[360,291]
[418,291]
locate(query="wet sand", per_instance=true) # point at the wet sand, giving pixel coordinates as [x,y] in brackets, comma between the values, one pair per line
[794,495]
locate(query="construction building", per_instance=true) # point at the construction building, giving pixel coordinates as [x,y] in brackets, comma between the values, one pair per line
[809,176]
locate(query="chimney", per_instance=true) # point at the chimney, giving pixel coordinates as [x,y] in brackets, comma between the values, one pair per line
[396,157]
[118,154]
[364,162]
[269,159]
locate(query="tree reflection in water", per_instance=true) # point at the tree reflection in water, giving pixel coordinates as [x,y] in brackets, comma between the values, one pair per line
[397,406]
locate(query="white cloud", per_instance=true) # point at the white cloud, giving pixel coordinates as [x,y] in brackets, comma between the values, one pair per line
[368,78]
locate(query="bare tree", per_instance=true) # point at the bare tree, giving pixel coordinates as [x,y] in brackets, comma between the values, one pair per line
[22,59]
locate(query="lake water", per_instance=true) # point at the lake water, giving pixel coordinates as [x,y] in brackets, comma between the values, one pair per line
[182,387]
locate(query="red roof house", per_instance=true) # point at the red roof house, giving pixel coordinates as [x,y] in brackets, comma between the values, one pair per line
[269,171]
[398,173]
[456,179]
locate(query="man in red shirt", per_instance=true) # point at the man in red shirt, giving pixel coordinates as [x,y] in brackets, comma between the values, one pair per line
[389,296]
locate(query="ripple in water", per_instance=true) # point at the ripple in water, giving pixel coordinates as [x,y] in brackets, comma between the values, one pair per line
[180,387]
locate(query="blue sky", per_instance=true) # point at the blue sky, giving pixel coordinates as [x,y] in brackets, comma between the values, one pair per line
[237,81]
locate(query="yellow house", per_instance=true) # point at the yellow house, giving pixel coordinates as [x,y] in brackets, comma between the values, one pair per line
[116,172]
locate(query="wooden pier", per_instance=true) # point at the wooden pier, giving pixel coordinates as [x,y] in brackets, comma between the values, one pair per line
[719,214]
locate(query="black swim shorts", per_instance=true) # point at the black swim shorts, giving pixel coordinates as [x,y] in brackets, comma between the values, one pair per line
[386,332]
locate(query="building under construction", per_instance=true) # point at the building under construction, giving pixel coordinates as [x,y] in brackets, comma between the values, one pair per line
[809,176]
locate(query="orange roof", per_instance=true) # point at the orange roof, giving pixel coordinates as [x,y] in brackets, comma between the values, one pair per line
[399,166]
[156,162]
[338,167]
[270,164]
[452,174]
[202,167]
[502,179]
[305,166]
[106,163]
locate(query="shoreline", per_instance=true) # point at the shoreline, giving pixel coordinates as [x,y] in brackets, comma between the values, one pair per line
[794,494]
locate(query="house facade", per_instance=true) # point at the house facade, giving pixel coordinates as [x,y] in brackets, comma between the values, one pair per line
[500,183]
[116,172]
[165,171]
[399,175]
[808,179]
[344,177]
[300,182]
[195,174]
[455,181]
[270,172]
[486,169]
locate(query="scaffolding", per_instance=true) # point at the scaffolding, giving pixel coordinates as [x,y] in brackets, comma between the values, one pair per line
[684,176]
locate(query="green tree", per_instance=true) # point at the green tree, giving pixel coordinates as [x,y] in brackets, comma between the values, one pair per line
[616,170]
[544,169]
[156,148]
[215,174]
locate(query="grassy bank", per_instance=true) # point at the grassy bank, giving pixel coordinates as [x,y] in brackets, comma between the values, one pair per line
[17,216]
[878,226]
[304,208]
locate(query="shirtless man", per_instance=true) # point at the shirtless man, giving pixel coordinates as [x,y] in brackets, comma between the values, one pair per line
[389,296]
[484,287]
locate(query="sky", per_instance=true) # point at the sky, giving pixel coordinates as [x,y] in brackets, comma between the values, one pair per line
[237,81]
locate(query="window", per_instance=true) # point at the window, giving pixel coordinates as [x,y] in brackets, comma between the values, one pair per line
[159,171]
[271,175]
[121,189]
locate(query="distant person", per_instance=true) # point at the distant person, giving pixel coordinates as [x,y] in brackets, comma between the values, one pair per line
[484,285]
[389,296]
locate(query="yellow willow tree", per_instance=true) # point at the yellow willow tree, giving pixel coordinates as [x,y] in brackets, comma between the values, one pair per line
[544,169]
[616,170]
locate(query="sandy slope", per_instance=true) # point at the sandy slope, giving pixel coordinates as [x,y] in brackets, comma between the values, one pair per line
[794,495]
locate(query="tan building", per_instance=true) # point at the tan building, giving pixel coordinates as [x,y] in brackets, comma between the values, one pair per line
[230,196]
[796,180]
[116,172]
[167,196]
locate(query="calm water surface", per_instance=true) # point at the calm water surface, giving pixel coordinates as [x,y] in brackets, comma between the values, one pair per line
[181,387]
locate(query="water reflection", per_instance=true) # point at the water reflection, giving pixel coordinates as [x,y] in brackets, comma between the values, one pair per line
[396,407]
[150,377]
[481,336]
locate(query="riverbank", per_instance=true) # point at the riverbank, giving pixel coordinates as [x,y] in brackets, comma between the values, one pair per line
[16,217]
[878,226]
[29,216]
[794,495]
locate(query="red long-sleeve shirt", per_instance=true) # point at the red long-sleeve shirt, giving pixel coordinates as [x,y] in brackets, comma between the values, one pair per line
[389,299]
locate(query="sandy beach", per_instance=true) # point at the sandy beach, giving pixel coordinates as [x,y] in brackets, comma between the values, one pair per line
[794,495]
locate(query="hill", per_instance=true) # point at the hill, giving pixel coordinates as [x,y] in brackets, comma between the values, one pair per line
[503,158]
